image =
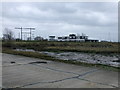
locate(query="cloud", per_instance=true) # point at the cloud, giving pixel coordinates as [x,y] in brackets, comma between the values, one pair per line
[62,18]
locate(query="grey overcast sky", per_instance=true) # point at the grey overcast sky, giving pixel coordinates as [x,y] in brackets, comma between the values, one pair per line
[96,19]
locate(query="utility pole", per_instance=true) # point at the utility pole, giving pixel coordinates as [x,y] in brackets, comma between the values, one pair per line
[30,31]
[25,33]
[20,29]
[19,35]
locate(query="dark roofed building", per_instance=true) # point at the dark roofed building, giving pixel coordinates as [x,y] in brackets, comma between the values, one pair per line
[38,38]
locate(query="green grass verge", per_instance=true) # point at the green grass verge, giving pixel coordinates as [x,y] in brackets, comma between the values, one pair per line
[46,57]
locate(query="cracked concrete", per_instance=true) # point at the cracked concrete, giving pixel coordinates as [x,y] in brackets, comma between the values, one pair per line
[53,74]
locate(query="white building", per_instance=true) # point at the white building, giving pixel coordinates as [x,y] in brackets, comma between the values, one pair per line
[73,37]
[52,38]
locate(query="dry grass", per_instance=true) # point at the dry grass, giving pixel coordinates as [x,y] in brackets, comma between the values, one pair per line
[92,47]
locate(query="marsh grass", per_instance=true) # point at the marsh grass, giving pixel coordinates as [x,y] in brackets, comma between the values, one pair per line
[87,47]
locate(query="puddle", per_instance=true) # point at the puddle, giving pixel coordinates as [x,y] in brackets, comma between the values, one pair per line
[12,62]
[116,61]
[38,62]
[27,50]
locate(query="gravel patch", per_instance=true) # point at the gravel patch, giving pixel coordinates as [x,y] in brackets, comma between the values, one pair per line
[111,60]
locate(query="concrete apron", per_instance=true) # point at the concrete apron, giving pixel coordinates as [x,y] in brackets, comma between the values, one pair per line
[24,74]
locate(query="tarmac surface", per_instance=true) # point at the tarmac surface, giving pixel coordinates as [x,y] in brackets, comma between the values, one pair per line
[26,72]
